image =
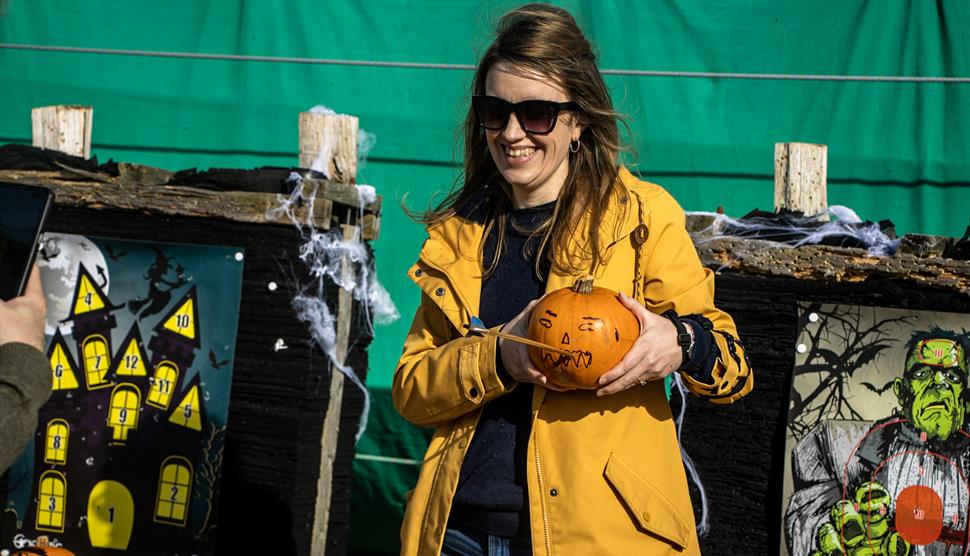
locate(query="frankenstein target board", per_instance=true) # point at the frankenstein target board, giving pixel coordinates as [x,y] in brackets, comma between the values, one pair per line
[128,450]
[878,447]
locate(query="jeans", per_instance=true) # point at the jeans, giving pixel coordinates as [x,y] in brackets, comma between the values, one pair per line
[472,543]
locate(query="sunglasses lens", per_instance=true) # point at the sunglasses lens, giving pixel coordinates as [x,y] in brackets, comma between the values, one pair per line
[492,113]
[534,116]
[537,116]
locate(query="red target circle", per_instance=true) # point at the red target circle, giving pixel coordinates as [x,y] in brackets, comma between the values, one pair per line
[919,515]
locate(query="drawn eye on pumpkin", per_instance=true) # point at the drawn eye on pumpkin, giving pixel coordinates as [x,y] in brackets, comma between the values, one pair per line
[545,322]
[590,324]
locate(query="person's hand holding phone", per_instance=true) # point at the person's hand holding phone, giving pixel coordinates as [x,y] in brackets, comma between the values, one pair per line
[22,318]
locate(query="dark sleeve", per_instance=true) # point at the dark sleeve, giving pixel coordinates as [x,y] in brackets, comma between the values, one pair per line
[704,355]
[25,384]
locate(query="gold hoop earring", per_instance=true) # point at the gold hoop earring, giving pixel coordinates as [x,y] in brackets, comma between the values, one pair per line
[572,144]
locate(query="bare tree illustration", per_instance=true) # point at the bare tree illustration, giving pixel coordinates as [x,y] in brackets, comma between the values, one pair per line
[207,480]
[852,346]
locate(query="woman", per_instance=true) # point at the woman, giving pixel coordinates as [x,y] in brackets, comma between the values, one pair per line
[516,465]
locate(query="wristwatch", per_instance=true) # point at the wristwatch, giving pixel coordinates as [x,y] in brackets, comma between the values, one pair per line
[685,337]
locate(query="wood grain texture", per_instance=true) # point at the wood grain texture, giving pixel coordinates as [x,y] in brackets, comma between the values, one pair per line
[128,191]
[331,424]
[328,144]
[831,264]
[63,128]
[800,178]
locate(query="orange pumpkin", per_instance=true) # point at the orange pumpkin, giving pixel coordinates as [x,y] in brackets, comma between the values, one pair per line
[46,551]
[587,321]
[43,548]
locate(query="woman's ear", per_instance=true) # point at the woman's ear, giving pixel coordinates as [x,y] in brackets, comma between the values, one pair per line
[578,128]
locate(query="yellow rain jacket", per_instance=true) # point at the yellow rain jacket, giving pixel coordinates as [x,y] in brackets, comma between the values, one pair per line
[604,474]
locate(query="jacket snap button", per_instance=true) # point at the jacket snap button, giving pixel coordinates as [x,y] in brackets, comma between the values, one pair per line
[554,492]
[646,516]
[473,392]
[419,272]
[439,292]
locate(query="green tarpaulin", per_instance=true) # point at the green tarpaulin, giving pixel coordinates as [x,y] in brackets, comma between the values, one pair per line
[896,150]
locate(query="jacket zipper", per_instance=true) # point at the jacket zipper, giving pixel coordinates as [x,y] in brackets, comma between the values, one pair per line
[542,495]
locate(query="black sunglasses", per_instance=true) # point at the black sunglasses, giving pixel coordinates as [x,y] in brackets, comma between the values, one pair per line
[535,116]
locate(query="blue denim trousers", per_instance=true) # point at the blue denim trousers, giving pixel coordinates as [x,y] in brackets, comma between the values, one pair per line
[472,543]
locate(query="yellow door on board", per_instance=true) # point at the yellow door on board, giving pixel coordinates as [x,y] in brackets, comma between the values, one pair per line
[111,515]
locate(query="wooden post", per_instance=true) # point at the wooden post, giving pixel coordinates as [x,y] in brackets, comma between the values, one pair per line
[331,423]
[800,174]
[63,128]
[328,144]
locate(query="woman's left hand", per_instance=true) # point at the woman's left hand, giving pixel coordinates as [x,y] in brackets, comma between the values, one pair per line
[654,355]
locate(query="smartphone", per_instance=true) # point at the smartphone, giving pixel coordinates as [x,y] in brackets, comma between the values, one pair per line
[23,211]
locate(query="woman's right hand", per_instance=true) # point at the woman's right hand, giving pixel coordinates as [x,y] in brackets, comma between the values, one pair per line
[515,355]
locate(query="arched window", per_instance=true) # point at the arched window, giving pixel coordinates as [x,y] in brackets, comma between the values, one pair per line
[96,361]
[123,411]
[174,488]
[163,384]
[51,502]
[55,450]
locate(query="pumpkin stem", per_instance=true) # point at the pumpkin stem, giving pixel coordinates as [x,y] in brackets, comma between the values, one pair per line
[583,285]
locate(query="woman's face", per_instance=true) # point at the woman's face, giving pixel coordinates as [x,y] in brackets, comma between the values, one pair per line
[534,165]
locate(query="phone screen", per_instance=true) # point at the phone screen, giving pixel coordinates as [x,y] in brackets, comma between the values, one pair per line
[22,212]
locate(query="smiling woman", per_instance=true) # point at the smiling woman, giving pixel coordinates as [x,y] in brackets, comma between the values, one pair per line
[526,458]
[535,162]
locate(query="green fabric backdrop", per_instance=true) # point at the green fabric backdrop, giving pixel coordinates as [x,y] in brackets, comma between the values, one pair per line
[896,150]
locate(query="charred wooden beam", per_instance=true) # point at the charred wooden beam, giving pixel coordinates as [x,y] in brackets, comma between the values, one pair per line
[127,191]
[830,264]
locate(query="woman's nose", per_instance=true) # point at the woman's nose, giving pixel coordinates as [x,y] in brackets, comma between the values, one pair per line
[513,131]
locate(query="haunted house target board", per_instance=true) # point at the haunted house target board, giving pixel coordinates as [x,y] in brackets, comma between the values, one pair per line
[128,450]
[878,448]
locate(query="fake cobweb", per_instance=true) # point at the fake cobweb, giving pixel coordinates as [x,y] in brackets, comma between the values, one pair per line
[704,526]
[335,260]
[844,229]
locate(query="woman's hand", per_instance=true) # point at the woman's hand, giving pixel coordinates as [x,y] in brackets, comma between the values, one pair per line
[653,356]
[515,355]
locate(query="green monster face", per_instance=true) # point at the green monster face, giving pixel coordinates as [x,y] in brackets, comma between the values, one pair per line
[932,388]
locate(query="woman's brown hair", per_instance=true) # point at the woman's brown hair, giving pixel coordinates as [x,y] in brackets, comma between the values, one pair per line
[546,39]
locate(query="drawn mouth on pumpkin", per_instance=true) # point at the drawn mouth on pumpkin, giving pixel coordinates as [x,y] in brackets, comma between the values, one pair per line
[577,358]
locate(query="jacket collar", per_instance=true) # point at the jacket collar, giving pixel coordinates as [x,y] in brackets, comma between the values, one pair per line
[453,246]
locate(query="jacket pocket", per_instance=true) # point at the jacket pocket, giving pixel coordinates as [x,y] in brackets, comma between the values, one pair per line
[649,506]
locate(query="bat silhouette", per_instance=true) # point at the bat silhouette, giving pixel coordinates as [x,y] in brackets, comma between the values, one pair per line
[111,253]
[872,388]
[212,359]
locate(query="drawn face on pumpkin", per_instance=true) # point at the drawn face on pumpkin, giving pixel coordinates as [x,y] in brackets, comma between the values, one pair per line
[931,391]
[573,340]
